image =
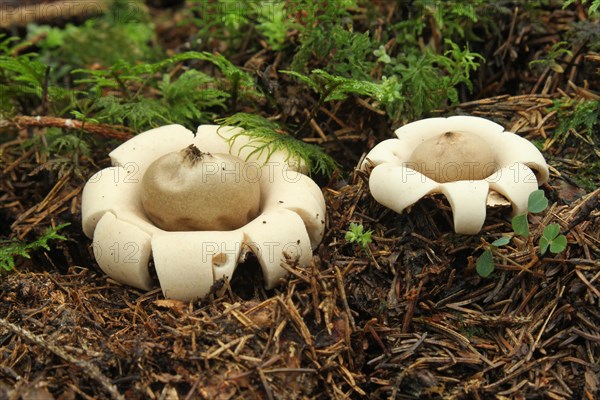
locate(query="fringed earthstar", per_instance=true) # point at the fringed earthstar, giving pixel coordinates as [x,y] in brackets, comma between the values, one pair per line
[196,206]
[468,159]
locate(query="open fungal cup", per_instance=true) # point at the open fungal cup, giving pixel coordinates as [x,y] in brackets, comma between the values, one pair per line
[196,207]
[468,159]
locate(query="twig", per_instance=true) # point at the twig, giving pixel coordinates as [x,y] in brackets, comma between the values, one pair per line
[587,283]
[340,284]
[88,368]
[109,131]
[543,329]
[582,211]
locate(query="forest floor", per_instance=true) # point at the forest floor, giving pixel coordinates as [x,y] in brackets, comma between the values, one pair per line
[406,317]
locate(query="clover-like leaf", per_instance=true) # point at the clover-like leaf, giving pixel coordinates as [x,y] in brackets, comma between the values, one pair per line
[551,239]
[551,231]
[537,201]
[504,240]
[520,225]
[485,264]
[544,244]
[558,244]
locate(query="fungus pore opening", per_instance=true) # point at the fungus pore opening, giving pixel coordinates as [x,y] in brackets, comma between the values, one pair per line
[193,155]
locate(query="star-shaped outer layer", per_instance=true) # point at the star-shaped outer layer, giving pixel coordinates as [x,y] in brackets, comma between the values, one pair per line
[519,169]
[290,222]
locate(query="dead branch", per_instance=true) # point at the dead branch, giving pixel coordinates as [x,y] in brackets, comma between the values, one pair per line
[109,131]
[65,9]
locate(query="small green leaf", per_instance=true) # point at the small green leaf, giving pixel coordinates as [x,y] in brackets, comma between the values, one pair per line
[552,239]
[383,57]
[504,240]
[520,225]
[556,67]
[351,235]
[537,201]
[551,231]
[544,244]
[485,264]
[365,239]
[558,244]
[357,235]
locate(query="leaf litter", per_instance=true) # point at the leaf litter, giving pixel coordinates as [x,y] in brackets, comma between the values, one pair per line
[405,317]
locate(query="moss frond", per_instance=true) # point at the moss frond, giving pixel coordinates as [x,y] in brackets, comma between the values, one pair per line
[15,248]
[267,137]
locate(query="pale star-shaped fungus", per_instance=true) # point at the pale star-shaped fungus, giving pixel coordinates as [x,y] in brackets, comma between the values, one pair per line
[468,159]
[196,205]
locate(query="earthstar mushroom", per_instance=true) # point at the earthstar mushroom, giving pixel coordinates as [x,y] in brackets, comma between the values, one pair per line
[463,157]
[132,211]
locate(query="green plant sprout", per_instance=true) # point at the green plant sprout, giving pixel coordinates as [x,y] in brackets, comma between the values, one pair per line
[549,61]
[551,238]
[357,235]
[382,55]
[10,249]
